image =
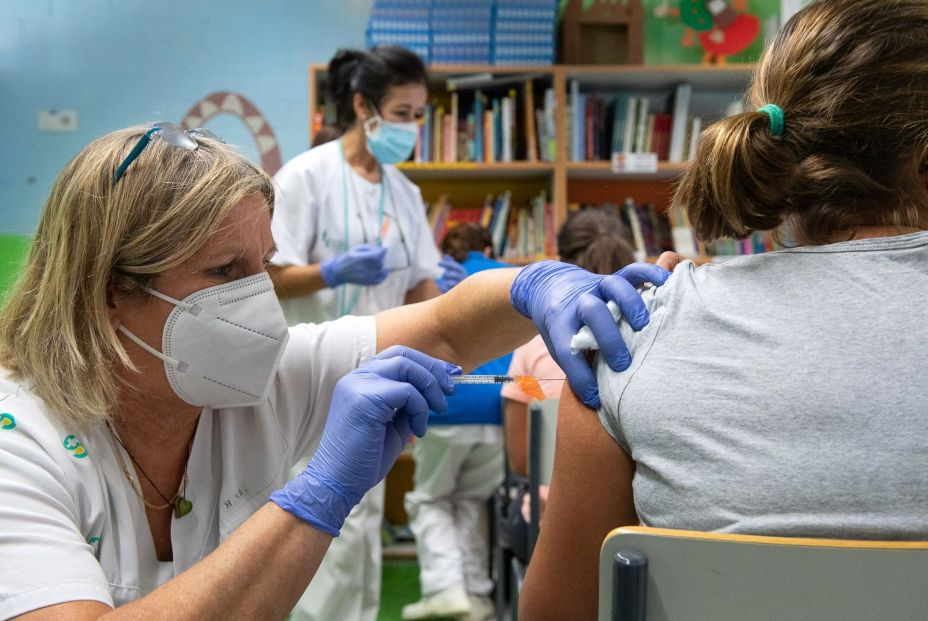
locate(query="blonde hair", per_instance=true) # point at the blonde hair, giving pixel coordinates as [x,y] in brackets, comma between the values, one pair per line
[55,332]
[852,79]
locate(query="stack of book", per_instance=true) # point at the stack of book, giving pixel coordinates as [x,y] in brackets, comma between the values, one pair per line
[603,123]
[501,123]
[402,22]
[461,31]
[524,32]
[524,231]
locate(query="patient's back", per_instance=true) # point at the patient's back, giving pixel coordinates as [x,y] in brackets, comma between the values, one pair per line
[784,394]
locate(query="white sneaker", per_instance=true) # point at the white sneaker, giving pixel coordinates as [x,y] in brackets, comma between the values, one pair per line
[482,609]
[451,603]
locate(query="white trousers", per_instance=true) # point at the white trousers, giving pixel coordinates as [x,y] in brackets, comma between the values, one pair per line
[347,585]
[457,469]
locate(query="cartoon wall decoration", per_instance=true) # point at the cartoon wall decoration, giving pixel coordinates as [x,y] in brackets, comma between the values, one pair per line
[707,31]
[227,102]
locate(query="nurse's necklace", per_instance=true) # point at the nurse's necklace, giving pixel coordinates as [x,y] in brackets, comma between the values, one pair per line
[182,506]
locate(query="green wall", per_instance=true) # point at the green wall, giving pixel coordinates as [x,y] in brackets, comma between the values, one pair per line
[13,249]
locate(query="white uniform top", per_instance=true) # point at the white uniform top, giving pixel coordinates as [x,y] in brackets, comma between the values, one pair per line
[71,526]
[316,190]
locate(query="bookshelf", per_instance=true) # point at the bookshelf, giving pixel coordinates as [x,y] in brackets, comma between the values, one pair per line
[565,180]
[475,170]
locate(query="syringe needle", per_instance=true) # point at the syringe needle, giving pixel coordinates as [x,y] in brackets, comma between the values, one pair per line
[481,379]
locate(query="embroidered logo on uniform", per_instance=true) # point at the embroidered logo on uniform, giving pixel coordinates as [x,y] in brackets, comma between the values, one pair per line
[77,449]
[93,540]
[234,498]
[7,421]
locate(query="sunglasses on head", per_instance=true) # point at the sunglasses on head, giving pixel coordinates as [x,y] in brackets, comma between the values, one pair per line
[170,133]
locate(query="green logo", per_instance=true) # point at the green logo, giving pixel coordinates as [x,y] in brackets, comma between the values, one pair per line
[77,449]
[93,540]
[7,421]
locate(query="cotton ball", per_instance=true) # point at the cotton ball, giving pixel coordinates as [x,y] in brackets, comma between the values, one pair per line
[584,340]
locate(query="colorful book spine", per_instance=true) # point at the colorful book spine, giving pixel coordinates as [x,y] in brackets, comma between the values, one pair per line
[479,127]
[449,139]
[531,139]
[681,112]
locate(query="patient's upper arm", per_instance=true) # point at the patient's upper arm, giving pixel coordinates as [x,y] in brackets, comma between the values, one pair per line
[591,493]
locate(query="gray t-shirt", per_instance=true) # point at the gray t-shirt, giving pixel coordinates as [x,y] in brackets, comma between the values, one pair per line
[782,394]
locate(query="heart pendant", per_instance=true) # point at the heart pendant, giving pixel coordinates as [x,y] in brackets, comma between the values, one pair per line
[182,507]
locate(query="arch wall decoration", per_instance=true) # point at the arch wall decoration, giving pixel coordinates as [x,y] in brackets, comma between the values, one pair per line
[227,102]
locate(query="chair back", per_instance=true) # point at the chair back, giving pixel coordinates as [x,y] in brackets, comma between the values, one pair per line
[542,433]
[676,575]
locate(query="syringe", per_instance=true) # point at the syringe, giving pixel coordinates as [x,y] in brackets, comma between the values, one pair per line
[526,383]
[482,379]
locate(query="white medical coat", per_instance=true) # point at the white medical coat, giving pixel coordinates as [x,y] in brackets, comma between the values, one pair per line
[309,226]
[71,526]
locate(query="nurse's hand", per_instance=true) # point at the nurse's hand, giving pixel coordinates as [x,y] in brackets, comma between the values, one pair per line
[375,409]
[361,265]
[453,273]
[559,298]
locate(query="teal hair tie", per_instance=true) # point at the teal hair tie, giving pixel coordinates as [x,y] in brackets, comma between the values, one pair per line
[777,121]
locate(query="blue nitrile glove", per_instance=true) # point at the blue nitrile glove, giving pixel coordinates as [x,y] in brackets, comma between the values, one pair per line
[453,274]
[361,265]
[559,298]
[374,410]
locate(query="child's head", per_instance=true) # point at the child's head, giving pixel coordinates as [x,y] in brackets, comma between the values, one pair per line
[593,239]
[851,77]
[466,237]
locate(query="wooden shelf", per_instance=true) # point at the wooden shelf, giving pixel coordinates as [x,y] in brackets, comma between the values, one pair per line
[467,69]
[666,171]
[475,170]
[659,77]
[439,74]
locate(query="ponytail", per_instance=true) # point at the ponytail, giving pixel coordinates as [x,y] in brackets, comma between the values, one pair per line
[734,183]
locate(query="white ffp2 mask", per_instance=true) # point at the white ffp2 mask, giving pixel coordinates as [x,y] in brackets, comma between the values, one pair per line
[221,346]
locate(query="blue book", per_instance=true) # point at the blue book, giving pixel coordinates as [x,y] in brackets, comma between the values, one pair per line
[478,126]
[497,131]
[619,114]
[576,122]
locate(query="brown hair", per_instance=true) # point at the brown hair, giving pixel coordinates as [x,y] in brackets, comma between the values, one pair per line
[594,239]
[466,237]
[852,79]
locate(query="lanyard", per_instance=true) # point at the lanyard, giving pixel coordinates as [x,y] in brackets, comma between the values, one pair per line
[344,306]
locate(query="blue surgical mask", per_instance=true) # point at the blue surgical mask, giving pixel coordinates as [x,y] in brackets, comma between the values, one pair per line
[389,142]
